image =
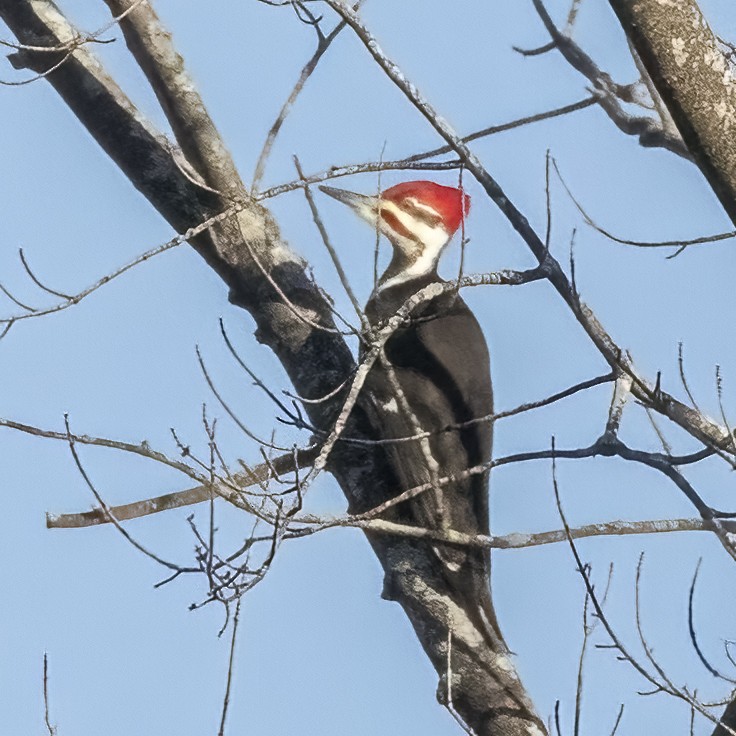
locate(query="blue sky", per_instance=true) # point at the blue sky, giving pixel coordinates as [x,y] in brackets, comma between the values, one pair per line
[318,651]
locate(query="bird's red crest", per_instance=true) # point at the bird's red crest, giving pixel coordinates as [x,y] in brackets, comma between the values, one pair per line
[448,202]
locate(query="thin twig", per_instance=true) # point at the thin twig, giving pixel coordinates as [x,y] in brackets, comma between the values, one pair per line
[518,123]
[231,413]
[611,95]
[70,301]
[618,720]
[143,449]
[46,717]
[590,589]
[37,281]
[66,48]
[331,250]
[416,161]
[679,244]
[335,172]
[322,46]
[693,636]
[126,535]
[230,669]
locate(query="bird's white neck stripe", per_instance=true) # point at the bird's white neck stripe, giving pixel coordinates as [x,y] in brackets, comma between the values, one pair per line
[417,244]
[421,267]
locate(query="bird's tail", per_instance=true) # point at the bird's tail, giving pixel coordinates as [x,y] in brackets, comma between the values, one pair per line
[488,624]
[471,588]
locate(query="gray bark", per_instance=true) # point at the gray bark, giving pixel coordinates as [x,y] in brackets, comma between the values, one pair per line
[682,56]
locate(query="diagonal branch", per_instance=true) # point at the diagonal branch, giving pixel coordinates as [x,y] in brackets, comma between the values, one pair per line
[151,46]
[142,153]
[254,476]
[323,44]
[520,122]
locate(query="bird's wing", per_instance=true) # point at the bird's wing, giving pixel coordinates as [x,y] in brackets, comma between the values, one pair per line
[442,365]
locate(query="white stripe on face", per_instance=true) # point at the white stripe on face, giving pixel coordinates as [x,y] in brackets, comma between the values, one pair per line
[420,208]
[414,234]
[420,243]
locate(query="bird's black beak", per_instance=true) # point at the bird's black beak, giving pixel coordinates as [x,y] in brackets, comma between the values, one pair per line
[361,203]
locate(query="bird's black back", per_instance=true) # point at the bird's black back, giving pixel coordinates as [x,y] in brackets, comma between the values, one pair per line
[439,361]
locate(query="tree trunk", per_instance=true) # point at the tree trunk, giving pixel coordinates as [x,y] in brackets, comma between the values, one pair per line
[682,56]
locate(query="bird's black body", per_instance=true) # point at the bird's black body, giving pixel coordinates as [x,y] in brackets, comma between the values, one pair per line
[433,376]
[431,383]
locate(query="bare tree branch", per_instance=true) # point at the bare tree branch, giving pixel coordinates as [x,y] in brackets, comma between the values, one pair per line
[503,127]
[693,77]
[680,244]
[515,540]
[230,668]
[71,439]
[142,153]
[150,44]
[46,717]
[293,318]
[323,43]
[651,132]
[285,464]
[416,161]
[71,300]
[198,494]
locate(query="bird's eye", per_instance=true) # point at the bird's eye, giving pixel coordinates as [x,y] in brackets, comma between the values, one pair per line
[422,214]
[395,224]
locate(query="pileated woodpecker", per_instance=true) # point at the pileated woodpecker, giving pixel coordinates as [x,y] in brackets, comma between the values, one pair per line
[433,383]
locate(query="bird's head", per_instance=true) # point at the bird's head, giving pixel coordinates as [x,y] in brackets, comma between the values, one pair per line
[418,217]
